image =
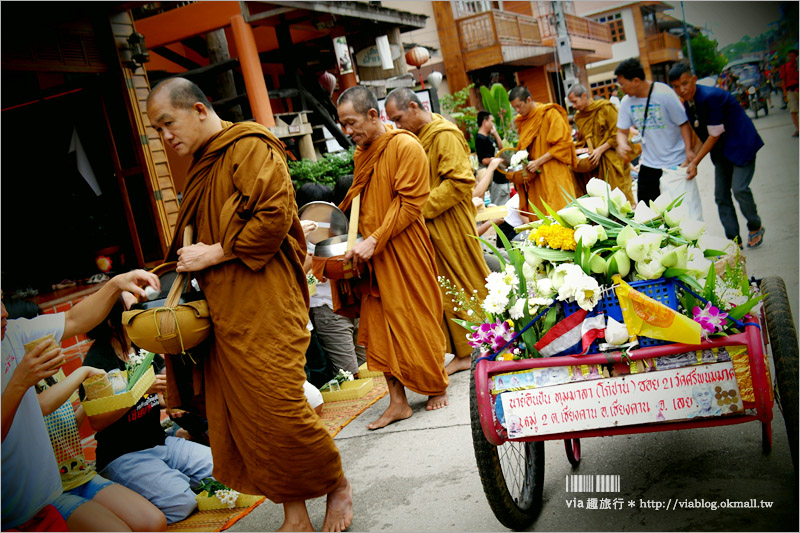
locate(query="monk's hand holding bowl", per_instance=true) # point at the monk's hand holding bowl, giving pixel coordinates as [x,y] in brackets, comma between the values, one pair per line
[595,156]
[199,256]
[362,252]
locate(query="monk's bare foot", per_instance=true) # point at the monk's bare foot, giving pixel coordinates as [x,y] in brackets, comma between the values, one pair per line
[437,402]
[339,510]
[458,364]
[295,517]
[393,413]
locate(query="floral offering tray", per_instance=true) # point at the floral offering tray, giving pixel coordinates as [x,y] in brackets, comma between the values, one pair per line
[364,372]
[350,390]
[122,400]
[207,503]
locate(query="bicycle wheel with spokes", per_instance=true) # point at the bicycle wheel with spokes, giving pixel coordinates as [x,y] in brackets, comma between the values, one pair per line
[512,474]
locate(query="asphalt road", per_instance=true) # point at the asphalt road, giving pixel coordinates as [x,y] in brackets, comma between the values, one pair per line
[420,474]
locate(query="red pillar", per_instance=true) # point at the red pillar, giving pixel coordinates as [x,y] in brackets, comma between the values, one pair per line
[254,82]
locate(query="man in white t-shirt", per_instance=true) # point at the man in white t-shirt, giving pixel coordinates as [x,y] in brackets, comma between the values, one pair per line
[30,476]
[666,135]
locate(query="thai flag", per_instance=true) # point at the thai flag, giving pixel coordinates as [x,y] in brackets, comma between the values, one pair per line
[574,334]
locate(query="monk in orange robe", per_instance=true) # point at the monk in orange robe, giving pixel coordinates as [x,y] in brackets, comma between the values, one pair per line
[265,437]
[449,212]
[401,310]
[545,133]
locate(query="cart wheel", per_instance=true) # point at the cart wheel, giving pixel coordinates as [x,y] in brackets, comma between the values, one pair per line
[573,447]
[783,343]
[512,474]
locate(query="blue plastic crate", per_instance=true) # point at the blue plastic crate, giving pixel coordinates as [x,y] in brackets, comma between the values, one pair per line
[662,290]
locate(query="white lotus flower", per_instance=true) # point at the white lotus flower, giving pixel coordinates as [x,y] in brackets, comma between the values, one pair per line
[572,216]
[528,272]
[643,213]
[586,234]
[642,246]
[518,158]
[650,267]
[691,230]
[660,204]
[621,201]
[598,264]
[598,187]
[697,265]
[616,332]
[674,216]
[531,258]
[625,235]
[561,272]
[675,256]
[595,204]
[544,288]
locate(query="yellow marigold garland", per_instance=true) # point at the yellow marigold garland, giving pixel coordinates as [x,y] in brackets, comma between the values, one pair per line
[554,236]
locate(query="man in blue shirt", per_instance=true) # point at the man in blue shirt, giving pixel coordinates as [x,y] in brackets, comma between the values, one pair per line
[729,135]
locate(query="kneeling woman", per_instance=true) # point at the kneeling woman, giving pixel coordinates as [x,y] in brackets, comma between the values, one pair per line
[132,447]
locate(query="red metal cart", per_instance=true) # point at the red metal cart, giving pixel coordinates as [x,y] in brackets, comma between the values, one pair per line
[512,469]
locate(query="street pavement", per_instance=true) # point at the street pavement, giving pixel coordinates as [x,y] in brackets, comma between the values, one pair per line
[420,474]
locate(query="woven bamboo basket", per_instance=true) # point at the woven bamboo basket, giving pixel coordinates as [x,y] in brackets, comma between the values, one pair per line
[122,400]
[349,390]
[209,503]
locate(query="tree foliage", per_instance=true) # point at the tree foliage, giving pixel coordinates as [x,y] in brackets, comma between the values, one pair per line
[465,116]
[326,170]
[707,60]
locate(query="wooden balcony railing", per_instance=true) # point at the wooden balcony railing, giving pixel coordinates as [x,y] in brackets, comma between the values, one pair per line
[663,40]
[497,27]
[577,26]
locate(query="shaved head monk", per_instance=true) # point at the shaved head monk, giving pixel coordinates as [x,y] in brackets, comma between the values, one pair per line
[545,133]
[265,437]
[401,306]
[449,212]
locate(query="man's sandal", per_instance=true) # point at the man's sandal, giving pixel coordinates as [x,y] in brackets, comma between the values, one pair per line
[755,238]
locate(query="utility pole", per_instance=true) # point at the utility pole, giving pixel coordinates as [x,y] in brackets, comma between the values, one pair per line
[564,48]
[688,39]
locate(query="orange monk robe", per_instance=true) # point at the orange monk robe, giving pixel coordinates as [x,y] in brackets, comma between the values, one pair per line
[598,125]
[450,218]
[265,437]
[402,311]
[546,129]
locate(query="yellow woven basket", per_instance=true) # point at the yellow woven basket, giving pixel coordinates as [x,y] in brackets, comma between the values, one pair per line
[208,503]
[122,400]
[364,372]
[350,390]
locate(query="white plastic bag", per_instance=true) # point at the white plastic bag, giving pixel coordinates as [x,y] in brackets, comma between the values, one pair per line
[674,183]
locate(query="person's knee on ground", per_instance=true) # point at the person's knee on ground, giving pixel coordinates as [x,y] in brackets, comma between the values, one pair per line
[176,506]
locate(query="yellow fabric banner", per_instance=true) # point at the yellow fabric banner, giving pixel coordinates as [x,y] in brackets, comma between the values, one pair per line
[650,318]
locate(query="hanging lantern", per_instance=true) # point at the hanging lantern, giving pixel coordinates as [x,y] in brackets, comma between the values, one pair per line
[327,81]
[435,79]
[417,56]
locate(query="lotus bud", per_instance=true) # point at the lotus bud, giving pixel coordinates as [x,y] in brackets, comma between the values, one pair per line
[643,213]
[650,268]
[674,216]
[616,332]
[572,216]
[601,233]
[598,264]
[594,204]
[712,242]
[531,258]
[660,204]
[597,187]
[586,234]
[619,199]
[625,235]
[623,262]
[692,229]
[676,257]
[528,272]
